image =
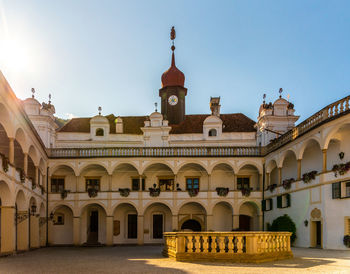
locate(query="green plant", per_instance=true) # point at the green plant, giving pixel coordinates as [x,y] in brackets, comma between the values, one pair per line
[307,177]
[287,183]
[222,191]
[346,241]
[154,191]
[193,192]
[5,162]
[272,187]
[246,191]
[124,192]
[341,169]
[284,223]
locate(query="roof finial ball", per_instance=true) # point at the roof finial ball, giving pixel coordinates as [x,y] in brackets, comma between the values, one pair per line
[280,92]
[99,110]
[156,105]
[172,37]
[33,91]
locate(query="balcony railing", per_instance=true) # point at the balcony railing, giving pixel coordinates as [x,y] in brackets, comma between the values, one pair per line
[155,152]
[230,246]
[331,111]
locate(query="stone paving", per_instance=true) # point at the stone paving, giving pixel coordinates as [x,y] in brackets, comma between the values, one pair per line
[148,259]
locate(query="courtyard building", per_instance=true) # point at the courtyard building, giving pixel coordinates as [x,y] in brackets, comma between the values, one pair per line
[113,180]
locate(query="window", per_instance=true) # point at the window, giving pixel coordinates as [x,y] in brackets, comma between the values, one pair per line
[347,189]
[58,219]
[192,183]
[283,201]
[341,190]
[93,183]
[212,132]
[99,132]
[266,205]
[135,184]
[57,185]
[243,183]
[336,190]
[166,184]
[132,226]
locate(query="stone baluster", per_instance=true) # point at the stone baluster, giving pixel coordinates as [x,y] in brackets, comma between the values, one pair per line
[197,244]
[221,241]
[205,244]
[230,245]
[189,244]
[239,244]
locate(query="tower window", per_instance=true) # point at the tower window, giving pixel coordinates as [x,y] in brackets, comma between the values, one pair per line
[99,132]
[212,132]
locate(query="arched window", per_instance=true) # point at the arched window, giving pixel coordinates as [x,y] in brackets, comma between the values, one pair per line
[99,132]
[212,132]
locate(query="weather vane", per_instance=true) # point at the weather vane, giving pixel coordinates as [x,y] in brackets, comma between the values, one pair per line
[156,104]
[172,37]
[264,97]
[99,110]
[280,92]
[49,98]
[33,91]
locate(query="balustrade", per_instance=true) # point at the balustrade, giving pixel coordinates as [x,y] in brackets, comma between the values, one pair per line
[230,246]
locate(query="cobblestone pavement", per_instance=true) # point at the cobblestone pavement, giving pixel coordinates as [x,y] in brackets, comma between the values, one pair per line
[148,259]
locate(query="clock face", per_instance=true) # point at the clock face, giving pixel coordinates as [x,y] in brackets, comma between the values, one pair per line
[173,100]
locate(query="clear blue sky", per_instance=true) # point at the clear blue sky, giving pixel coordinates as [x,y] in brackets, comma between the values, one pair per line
[112,53]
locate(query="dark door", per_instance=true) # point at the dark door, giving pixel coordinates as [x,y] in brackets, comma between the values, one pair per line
[244,222]
[191,225]
[132,226]
[157,226]
[318,234]
[94,221]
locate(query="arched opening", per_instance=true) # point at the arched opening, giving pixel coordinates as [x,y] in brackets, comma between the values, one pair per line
[312,157]
[127,176]
[193,211]
[4,142]
[157,220]
[192,176]
[99,132]
[95,177]
[5,200]
[212,132]
[222,175]
[63,178]
[289,166]
[272,173]
[33,224]
[222,217]
[338,150]
[159,175]
[61,226]
[191,225]
[248,177]
[248,217]
[93,224]
[125,224]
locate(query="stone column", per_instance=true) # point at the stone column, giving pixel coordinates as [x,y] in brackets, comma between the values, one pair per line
[261,224]
[76,230]
[140,232]
[299,169]
[36,175]
[324,163]
[235,221]
[175,223]
[12,150]
[109,230]
[279,176]
[234,182]
[42,233]
[209,182]
[22,231]
[34,232]
[175,182]
[7,229]
[76,183]
[209,223]
[140,182]
[109,182]
[25,166]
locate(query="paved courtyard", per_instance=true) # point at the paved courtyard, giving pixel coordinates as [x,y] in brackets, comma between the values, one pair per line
[148,259]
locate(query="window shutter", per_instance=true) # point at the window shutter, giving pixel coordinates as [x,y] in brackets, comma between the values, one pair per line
[336,190]
[271,204]
[263,205]
[279,201]
[288,199]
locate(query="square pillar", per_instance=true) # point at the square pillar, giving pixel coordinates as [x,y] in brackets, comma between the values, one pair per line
[22,231]
[7,229]
[235,222]
[36,175]
[76,231]
[175,223]
[12,150]
[279,176]
[140,232]
[299,169]
[34,232]
[25,165]
[42,232]
[109,230]
[209,222]
[324,162]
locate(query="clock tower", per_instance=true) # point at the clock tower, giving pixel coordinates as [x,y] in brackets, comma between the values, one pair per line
[173,92]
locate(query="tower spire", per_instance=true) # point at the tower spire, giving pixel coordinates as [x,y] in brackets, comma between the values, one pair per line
[172,37]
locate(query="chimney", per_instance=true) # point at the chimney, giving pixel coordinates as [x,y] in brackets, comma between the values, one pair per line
[215,106]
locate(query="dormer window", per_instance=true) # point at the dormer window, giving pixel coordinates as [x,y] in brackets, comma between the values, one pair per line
[99,132]
[212,132]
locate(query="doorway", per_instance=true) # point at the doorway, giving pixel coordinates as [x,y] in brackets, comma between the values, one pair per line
[132,226]
[93,228]
[316,234]
[244,222]
[191,225]
[157,226]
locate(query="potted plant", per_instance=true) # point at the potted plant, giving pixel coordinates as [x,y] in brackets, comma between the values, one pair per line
[124,192]
[5,163]
[272,187]
[341,169]
[222,191]
[309,176]
[64,193]
[246,191]
[346,241]
[92,192]
[193,192]
[287,183]
[154,191]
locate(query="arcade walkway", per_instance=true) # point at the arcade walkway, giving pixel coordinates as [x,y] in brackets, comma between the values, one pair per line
[148,259]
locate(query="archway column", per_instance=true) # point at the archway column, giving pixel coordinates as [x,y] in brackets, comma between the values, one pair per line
[42,231]
[175,223]
[36,175]
[25,165]
[299,169]
[209,223]
[140,232]
[34,231]
[109,230]
[7,229]
[76,230]
[279,176]
[22,230]
[12,150]
[235,221]
[324,160]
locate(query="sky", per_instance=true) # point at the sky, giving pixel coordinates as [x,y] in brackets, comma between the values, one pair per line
[109,53]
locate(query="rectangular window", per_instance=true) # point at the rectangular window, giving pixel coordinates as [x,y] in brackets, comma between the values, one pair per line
[243,182]
[283,201]
[57,185]
[93,183]
[58,219]
[135,184]
[166,184]
[266,205]
[132,226]
[192,183]
[336,193]
[347,189]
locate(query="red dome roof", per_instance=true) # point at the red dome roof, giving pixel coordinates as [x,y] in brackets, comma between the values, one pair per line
[173,76]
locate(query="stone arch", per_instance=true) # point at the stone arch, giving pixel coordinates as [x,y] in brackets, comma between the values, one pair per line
[127,163]
[222,175]
[22,226]
[21,201]
[251,163]
[61,226]
[4,141]
[312,156]
[189,172]
[93,202]
[305,144]
[249,216]
[159,175]
[165,203]
[59,204]
[123,175]
[93,222]
[5,194]
[289,165]
[6,121]
[125,217]
[271,164]
[21,139]
[149,165]
[219,163]
[131,203]
[272,171]
[192,210]
[86,165]
[56,167]
[286,153]
[33,154]
[222,216]
[332,132]
[194,163]
[94,171]
[250,172]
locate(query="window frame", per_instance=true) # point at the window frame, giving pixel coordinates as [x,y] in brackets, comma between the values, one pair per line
[58,178]
[192,178]
[243,177]
[166,178]
[143,183]
[92,178]
[212,130]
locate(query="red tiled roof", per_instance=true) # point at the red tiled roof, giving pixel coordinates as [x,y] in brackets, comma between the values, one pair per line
[236,122]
